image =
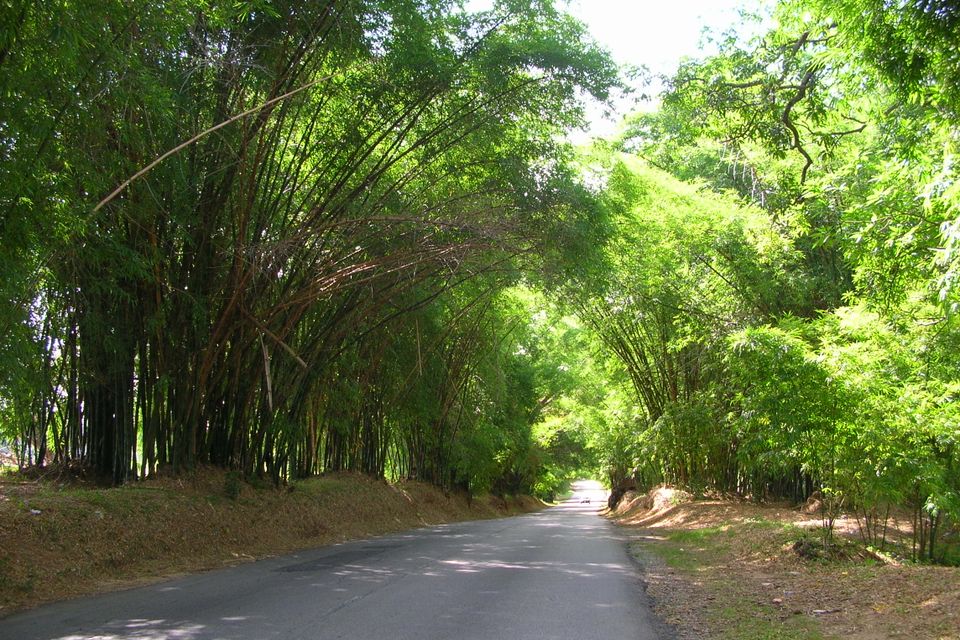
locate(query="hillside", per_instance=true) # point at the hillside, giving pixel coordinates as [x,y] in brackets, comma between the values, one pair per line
[734,569]
[62,539]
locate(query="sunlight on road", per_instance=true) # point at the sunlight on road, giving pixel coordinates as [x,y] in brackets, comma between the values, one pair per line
[588,492]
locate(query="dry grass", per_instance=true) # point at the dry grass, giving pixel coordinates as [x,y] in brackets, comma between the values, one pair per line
[724,569]
[64,540]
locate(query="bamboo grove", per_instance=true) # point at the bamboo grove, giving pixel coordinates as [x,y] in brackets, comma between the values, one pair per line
[275,236]
[291,237]
[779,293]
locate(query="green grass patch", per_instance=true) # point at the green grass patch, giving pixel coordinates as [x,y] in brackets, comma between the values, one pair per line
[694,549]
[319,486]
[711,555]
[741,619]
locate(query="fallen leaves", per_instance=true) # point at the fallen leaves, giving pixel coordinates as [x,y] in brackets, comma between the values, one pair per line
[743,565]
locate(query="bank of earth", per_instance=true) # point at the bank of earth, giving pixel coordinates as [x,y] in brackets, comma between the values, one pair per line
[736,570]
[60,538]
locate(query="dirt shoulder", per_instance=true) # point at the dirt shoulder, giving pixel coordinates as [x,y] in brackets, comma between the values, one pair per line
[724,569]
[60,540]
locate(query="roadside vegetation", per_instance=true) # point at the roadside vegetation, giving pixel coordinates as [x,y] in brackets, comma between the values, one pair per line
[288,238]
[738,570]
[778,290]
[62,538]
[283,237]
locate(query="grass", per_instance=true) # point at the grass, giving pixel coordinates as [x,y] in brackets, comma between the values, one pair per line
[731,570]
[760,622]
[691,550]
[60,540]
[705,554]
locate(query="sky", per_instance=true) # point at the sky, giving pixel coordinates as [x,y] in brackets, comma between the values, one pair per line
[651,33]
[654,33]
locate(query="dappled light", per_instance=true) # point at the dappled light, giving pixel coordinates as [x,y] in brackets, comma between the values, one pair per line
[145,630]
[278,274]
[567,558]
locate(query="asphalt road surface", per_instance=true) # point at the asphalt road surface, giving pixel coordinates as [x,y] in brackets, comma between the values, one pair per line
[560,573]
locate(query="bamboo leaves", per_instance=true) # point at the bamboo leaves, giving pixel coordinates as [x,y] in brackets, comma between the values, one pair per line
[254,201]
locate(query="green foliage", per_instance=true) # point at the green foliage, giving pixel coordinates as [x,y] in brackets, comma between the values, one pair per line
[364,247]
[684,269]
[232,485]
[312,275]
[806,342]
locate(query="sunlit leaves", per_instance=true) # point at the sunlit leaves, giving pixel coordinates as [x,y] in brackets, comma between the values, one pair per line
[306,275]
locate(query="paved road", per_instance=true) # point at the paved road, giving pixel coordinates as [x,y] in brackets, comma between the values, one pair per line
[561,573]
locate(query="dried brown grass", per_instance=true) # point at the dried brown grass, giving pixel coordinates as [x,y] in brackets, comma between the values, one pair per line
[705,558]
[60,540]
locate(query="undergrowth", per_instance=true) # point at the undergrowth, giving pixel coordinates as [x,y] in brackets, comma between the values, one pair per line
[758,578]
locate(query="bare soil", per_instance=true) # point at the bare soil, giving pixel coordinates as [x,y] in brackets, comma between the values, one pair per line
[61,539]
[728,569]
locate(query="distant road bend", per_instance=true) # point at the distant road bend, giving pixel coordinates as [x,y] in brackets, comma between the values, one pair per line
[561,573]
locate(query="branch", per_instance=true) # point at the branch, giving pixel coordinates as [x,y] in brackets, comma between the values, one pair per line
[275,338]
[839,134]
[203,134]
[743,85]
[788,122]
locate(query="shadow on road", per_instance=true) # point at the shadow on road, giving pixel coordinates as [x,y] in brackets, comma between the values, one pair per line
[562,559]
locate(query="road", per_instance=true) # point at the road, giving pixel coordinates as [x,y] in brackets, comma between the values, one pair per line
[560,573]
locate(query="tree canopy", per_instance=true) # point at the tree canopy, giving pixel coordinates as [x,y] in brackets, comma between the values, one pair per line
[290,237]
[277,236]
[831,351]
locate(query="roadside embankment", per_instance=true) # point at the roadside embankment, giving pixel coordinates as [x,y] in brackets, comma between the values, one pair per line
[738,570]
[61,540]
